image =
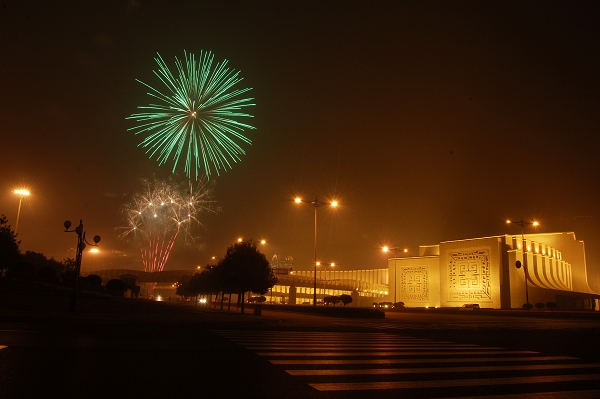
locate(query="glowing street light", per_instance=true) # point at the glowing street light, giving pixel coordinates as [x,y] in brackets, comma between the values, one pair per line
[315,204]
[332,264]
[387,249]
[522,223]
[21,192]
[93,251]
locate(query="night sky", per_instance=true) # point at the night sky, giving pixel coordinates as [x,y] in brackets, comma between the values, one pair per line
[428,121]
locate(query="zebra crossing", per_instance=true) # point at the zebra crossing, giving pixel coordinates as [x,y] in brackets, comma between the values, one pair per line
[377,361]
[399,325]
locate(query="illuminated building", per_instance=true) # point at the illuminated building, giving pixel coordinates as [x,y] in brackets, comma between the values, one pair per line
[484,271]
[282,266]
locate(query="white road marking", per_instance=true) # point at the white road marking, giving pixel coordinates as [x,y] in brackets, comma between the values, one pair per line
[431,360]
[424,370]
[355,386]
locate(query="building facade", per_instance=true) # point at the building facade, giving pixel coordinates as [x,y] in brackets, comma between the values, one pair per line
[484,271]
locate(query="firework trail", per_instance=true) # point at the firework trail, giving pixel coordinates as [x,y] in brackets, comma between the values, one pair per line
[160,213]
[196,115]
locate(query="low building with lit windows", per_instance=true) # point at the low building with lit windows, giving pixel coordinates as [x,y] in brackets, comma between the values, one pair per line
[364,286]
[491,271]
[296,287]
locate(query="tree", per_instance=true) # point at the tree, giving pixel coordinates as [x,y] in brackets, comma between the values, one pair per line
[331,299]
[70,264]
[39,260]
[22,270]
[226,277]
[204,283]
[116,285]
[183,287]
[245,269]
[539,305]
[527,306]
[47,274]
[9,246]
[551,305]
[346,299]
[68,278]
[257,299]
[93,280]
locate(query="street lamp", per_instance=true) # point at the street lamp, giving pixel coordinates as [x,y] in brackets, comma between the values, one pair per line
[332,264]
[387,249]
[522,223]
[315,204]
[21,192]
[81,244]
[94,252]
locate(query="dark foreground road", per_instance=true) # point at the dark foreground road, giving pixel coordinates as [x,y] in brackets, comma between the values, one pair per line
[135,348]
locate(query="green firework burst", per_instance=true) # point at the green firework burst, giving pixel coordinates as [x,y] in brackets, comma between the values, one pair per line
[197,115]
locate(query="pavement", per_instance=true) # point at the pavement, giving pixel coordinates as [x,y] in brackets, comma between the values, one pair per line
[120,347]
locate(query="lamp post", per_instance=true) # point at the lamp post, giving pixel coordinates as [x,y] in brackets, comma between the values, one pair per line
[315,204]
[81,244]
[522,223]
[21,192]
[387,249]
[332,264]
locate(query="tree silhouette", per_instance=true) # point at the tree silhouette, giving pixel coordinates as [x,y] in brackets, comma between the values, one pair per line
[93,280]
[203,283]
[331,299]
[9,246]
[39,261]
[70,264]
[22,271]
[245,269]
[116,285]
[183,287]
[47,274]
[346,299]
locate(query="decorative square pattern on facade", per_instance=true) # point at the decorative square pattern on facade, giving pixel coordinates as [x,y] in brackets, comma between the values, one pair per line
[414,283]
[469,275]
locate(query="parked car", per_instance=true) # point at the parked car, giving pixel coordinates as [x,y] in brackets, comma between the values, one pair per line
[470,306]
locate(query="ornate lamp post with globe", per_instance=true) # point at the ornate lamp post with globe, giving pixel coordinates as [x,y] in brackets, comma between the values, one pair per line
[81,244]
